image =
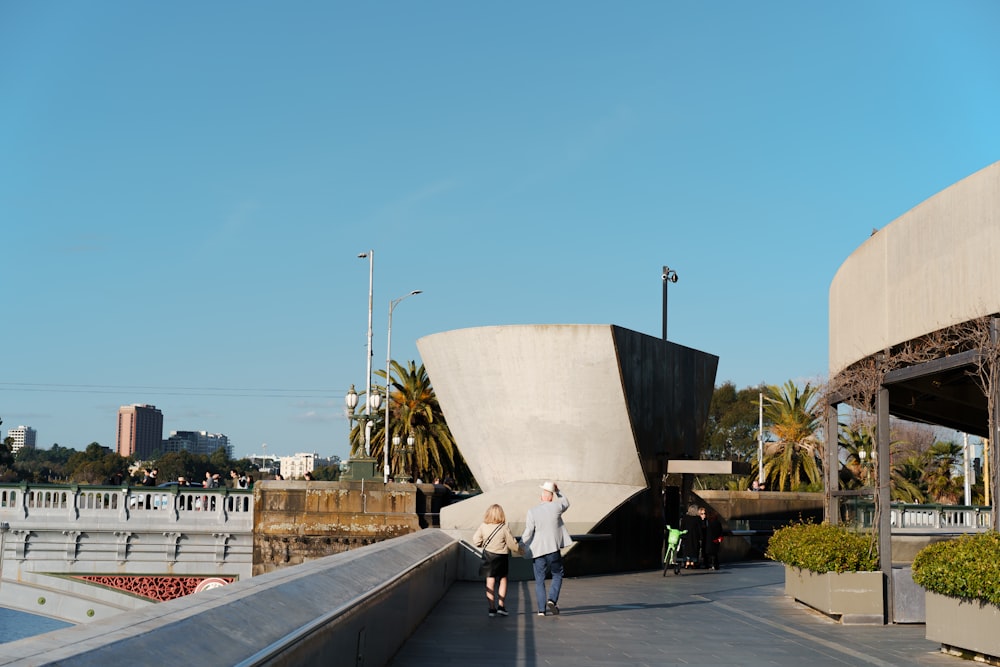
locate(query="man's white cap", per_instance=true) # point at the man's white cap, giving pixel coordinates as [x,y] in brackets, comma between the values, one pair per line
[549,486]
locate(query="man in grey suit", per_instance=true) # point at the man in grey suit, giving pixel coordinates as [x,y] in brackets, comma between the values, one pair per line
[544,535]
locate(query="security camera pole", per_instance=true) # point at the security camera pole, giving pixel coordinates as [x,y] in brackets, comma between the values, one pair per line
[668,277]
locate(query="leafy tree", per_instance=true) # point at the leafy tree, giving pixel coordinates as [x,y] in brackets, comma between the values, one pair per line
[793,461]
[220,460]
[733,422]
[43,465]
[6,452]
[327,473]
[174,465]
[95,465]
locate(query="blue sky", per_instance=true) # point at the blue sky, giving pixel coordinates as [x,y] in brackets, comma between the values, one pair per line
[185,187]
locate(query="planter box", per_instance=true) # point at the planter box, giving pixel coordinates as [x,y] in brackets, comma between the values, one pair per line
[855,598]
[964,627]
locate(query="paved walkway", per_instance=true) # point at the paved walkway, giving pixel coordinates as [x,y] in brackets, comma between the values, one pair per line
[735,616]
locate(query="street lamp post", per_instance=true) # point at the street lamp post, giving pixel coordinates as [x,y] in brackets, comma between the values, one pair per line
[410,440]
[867,463]
[351,401]
[760,441]
[370,255]
[669,276]
[388,361]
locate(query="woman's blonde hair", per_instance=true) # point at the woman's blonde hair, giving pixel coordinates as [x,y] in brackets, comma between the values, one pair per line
[494,514]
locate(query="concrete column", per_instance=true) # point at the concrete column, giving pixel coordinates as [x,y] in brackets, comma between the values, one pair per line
[995,419]
[884,498]
[832,464]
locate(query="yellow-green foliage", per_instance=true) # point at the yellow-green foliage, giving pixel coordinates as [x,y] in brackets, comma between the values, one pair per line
[821,547]
[967,567]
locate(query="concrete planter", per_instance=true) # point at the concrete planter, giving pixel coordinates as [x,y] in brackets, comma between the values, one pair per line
[855,598]
[964,627]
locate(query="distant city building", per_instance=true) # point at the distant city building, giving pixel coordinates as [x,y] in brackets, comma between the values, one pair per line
[140,430]
[265,464]
[331,462]
[21,437]
[297,465]
[197,442]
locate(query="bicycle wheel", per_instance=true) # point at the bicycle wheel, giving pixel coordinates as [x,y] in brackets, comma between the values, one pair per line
[668,560]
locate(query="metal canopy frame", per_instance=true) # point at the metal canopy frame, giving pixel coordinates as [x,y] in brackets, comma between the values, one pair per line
[942,392]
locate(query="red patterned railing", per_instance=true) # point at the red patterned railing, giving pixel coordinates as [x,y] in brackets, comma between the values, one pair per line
[157,588]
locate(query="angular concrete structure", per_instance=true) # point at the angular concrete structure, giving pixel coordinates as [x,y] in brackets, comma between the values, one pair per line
[598,408]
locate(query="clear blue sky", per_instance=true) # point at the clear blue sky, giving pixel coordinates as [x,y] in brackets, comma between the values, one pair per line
[185,186]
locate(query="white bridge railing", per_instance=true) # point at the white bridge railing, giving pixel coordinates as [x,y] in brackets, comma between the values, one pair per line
[76,502]
[938,518]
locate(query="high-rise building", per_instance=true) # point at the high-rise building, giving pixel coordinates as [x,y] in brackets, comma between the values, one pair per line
[197,442]
[20,437]
[140,430]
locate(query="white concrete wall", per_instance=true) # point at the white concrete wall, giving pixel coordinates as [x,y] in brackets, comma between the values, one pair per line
[931,268]
[536,402]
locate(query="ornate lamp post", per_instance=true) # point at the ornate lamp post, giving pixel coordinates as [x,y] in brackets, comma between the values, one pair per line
[351,401]
[388,382]
[409,448]
[396,442]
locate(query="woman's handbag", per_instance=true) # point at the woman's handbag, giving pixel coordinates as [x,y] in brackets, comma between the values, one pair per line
[488,556]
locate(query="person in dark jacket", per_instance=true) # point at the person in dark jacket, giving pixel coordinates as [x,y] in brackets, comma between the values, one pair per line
[713,540]
[691,544]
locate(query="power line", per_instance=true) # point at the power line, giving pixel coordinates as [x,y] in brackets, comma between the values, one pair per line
[226,392]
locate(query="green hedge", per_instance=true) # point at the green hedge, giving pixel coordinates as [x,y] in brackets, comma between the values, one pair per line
[821,547]
[967,567]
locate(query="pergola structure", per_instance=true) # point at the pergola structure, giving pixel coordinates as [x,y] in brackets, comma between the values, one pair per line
[913,330]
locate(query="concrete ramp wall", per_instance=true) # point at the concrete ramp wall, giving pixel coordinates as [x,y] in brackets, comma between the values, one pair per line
[353,608]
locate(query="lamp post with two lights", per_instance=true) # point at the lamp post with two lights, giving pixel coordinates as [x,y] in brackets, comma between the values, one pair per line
[388,382]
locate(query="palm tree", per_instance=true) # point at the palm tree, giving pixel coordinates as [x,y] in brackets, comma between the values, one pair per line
[855,441]
[942,486]
[414,411]
[794,458]
[905,475]
[907,480]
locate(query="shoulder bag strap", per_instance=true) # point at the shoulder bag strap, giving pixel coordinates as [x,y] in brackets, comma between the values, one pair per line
[495,531]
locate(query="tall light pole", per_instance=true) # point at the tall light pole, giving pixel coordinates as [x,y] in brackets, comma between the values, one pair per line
[669,276]
[760,442]
[388,361]
[967,470]
[370,255]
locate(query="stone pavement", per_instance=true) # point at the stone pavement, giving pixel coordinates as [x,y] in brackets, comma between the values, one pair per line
[735,616]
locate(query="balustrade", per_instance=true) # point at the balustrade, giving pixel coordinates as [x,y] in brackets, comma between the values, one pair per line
[936,517]
[73,502]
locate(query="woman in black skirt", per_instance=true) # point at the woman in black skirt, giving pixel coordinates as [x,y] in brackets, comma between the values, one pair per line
[497,543]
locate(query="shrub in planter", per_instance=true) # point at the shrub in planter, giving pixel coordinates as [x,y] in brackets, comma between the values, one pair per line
[820,547]
[967,567]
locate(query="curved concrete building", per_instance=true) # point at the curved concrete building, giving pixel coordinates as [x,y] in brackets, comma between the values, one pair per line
[934,267]
[597,408]
[931,270]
